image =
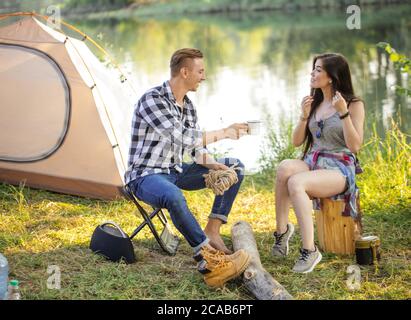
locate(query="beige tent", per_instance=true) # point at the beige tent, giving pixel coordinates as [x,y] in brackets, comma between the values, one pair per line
[64,117]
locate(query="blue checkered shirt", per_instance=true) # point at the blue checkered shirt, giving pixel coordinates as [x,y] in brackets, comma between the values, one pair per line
[162,133]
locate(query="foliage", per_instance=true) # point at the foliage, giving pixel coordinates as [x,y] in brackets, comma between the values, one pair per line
[386,182]
[401,62]
[277,147]
[97,5]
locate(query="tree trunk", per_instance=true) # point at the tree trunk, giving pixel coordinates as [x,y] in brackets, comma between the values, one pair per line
[256,279]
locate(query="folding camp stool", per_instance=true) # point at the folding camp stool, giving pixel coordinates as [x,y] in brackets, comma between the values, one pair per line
[167,240]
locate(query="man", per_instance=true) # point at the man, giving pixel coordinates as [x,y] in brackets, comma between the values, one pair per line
[164,128]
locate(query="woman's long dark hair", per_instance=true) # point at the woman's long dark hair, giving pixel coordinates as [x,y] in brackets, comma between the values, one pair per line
[338,70]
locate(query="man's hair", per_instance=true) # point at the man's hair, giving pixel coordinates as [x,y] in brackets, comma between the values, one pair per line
[180,57]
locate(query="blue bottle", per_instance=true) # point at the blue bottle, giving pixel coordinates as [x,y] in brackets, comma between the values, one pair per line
[4,274]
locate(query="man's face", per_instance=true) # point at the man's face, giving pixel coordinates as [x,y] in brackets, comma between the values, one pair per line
[195,73]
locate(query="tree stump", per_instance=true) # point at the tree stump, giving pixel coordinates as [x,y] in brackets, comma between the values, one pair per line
[336,233]
[256,279]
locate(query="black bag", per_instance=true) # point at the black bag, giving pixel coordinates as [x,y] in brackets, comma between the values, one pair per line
[112,242]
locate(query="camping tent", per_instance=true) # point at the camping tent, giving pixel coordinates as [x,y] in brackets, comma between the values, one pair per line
[64,118]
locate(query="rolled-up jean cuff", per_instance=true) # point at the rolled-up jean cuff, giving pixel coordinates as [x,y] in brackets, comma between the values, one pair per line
[221,217]
[196,249]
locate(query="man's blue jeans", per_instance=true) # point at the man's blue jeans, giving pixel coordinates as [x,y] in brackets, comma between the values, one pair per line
[164,191]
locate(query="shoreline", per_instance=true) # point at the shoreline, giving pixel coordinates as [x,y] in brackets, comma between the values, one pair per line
[163,10]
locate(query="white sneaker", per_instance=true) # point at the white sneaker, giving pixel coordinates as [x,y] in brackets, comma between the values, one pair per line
[280,248]
[307,260]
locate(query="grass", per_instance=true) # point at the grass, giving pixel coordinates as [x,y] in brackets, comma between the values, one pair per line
[39,229]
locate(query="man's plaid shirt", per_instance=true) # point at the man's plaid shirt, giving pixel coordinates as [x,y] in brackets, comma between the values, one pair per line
[161,133]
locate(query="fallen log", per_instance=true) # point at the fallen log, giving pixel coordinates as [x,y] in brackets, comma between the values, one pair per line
[256,279]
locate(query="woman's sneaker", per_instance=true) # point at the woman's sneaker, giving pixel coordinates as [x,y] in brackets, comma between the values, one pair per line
[280,248]
[307,260]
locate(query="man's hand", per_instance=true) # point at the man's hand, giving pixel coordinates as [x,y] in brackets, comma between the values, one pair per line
[206,160]
[236,131]
[216,166]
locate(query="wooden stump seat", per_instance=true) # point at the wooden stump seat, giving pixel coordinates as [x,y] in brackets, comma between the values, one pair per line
[336,233]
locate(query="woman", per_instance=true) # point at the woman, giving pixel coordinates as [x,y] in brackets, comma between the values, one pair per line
[331,125]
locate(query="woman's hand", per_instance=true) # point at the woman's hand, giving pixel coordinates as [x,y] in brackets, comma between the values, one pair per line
[306,106]
[236,131]
[339,103]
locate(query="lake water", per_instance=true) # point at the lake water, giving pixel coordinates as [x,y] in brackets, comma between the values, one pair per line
[258,66]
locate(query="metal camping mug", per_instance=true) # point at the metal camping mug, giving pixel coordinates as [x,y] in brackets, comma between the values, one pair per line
[254,127]
[367,250]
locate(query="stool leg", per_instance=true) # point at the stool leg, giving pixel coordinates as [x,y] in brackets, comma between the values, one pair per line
[172,241]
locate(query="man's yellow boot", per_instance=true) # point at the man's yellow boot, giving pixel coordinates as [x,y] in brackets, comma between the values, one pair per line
[219,268]
[232,256]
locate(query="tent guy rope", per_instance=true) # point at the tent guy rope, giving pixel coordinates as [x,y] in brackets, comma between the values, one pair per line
[71,27]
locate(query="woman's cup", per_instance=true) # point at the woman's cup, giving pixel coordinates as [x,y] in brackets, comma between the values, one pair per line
[254,127]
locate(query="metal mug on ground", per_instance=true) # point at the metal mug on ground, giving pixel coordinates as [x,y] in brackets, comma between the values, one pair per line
[367,250]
